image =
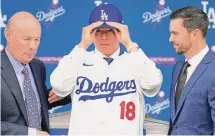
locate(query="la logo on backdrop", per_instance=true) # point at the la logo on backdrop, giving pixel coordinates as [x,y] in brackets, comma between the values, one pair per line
[48,17]
[98,2]
[3,19]
[210,11]
[1,47]
[213,48]
[161,12]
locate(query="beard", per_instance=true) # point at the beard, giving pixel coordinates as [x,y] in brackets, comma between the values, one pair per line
[179,52]
[181,49]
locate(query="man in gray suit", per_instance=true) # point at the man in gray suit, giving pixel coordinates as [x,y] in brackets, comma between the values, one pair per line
[25,100]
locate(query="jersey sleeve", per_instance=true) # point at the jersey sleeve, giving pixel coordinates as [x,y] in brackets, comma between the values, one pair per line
[63,78]
[149,77]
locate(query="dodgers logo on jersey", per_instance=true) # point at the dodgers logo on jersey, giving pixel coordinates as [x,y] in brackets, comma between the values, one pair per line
[110,89]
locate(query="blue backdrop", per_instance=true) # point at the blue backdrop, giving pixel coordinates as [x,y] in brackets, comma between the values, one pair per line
[148,21]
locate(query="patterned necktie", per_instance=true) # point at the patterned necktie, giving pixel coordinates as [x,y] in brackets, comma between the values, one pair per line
[109,60]
[181,82]
[31,102]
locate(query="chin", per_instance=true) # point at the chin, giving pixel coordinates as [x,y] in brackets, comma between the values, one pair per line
[28,60]
[179,52]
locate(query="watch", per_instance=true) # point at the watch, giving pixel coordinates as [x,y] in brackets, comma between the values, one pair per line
[133,45]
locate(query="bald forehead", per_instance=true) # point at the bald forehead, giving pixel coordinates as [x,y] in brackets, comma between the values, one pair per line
[23,19]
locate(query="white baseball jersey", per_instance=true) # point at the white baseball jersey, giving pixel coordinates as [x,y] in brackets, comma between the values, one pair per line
[107,99]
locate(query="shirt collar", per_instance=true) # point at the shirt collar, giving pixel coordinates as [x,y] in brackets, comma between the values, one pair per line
[114,56]
[18,67]
[195,60]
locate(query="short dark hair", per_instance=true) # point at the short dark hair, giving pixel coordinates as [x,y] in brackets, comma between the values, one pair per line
[194,18]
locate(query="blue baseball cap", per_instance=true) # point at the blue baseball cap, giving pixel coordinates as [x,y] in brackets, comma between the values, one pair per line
[106,13]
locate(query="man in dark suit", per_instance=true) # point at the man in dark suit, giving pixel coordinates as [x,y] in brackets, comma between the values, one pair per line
[193,79]
[24,96]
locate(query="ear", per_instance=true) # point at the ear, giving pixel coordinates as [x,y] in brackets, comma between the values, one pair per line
[195,34]
[8,35]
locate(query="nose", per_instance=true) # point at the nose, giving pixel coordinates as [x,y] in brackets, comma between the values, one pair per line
[33,45]
[170,38]
[104,36]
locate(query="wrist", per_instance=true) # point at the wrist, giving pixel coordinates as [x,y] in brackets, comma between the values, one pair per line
[128,44]
[82,45]
[132,47]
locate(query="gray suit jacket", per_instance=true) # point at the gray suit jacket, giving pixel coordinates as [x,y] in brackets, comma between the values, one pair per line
[14,120]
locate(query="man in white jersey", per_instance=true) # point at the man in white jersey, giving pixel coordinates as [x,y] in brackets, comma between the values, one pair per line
[107,85]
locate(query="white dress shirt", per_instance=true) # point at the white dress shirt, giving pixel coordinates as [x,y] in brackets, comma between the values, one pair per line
[194,62]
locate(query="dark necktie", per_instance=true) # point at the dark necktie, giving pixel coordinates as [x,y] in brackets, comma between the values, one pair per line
[181,82]
[109,60]
[31,102]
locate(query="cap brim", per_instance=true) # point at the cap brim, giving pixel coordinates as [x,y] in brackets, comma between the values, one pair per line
[105,26]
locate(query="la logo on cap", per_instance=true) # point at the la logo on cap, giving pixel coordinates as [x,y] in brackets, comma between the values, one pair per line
[104,16]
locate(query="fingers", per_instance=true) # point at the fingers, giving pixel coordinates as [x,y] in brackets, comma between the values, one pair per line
[51,92]
[87,36]
[52,97]
[93,34]
[123,36]
[117,33]
[42,133]
[88,29]
[117,25]
[96,24]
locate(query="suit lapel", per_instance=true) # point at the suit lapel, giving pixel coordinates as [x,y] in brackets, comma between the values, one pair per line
[9,75]
[175,77]
[200,69]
